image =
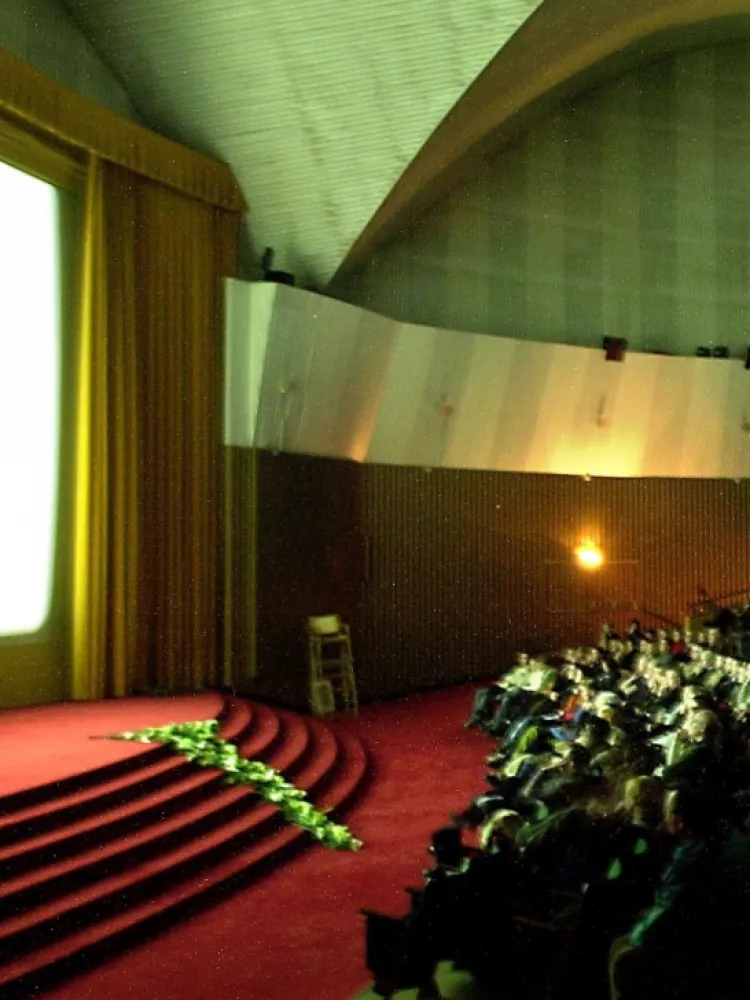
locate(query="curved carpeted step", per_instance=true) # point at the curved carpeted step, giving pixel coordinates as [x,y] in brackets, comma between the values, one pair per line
[126,856]
[144,810]
[32,824]
[132,756]
[175,883]
[120,873]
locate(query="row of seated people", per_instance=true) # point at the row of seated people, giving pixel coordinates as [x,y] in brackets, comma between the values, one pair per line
[732,625]
[614,856]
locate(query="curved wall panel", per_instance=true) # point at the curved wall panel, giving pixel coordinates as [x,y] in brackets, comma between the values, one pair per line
[310,375]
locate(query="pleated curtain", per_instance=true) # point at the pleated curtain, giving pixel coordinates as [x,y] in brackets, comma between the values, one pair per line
[149,521]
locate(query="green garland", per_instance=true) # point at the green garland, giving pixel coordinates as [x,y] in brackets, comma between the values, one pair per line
[200,743]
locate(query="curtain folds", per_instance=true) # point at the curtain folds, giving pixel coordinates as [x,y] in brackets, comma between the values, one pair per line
[150,476]
[89,584]
[143,552]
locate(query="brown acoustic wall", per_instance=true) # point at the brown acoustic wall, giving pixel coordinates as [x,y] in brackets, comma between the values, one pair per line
[463,567]
[310,561]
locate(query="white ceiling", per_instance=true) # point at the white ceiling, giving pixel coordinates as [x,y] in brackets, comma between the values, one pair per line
[317,105]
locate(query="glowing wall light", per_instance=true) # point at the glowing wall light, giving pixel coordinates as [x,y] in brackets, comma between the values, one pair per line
[589,555]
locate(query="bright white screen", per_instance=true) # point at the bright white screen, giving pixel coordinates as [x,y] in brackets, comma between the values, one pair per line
[29,398]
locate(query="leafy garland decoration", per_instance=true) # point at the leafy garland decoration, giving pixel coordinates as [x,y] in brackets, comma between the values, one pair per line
[200,743]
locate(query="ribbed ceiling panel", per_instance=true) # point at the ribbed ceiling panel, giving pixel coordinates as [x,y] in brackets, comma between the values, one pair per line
[317,105]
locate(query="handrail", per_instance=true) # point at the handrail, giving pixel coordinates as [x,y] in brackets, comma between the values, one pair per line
[708,602]
[661,618]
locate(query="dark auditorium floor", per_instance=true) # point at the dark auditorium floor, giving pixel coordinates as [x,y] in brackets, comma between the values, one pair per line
[296,933]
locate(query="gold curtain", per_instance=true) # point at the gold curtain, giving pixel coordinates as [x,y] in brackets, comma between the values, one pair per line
[149,531]
[90,468]
[140,603]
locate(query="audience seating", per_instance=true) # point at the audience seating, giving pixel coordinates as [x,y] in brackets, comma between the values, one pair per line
[615,838]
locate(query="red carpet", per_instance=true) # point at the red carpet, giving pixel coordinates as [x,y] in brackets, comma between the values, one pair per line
[296,932]
[66,749]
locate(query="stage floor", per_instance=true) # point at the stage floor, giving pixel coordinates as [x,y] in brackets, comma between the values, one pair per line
[48,743]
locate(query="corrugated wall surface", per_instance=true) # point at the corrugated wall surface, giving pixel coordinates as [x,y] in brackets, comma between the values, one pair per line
[465,566]
[443,573]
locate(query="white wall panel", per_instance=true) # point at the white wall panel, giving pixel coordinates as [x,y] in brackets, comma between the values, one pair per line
[340,382]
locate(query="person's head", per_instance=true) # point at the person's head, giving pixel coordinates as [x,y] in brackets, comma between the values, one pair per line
[634,626]
[522,659]
[590,656]
[671,679]
[603,702]
[702,725]
[643,757]
[594,733]
[612,763]
[500,828]
[689,696]
[575,758]
[703,700]
[446,846]
[645,650]
[642,800]
[731,666]
[675,636]
[572,673]
[615,647]
[540,743]
[688,815]
[662,644]
[617,718]
[585,693]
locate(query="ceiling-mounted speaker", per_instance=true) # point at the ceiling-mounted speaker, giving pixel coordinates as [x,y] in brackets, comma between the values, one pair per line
[614,348]
[280,277]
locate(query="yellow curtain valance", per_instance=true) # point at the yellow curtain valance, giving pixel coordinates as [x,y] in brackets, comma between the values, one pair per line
[55,111]
[22,150]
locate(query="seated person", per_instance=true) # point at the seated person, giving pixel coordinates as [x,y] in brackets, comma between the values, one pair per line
[639,851]
[689,944]
[739,699]
[487,699]
[694,758]
[565,849]
[449,853]
[677,643]
[553,781]
[539,695]
[595,736]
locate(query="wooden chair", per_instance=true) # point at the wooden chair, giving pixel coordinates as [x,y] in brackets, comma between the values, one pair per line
[331,665]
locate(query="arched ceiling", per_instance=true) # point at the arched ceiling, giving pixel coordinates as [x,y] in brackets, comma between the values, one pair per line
[342,119]
[567,46]
[317,105]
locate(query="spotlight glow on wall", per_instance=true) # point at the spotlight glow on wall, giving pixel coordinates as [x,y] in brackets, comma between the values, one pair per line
[589,555]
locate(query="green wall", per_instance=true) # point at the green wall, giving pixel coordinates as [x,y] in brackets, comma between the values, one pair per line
[626,212]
